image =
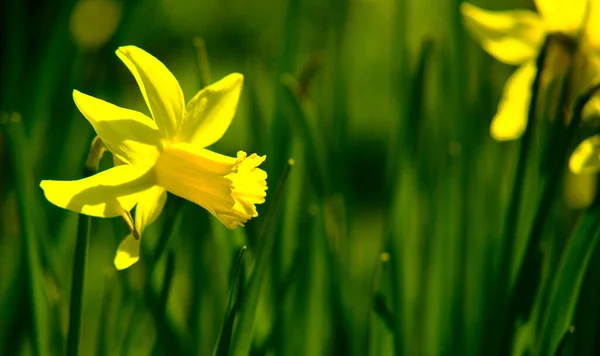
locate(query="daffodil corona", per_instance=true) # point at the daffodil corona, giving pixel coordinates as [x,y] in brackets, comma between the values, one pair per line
[516,37]
[167,154]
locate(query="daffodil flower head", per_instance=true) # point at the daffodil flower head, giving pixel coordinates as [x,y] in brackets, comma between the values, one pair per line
[167,154]
[515,37]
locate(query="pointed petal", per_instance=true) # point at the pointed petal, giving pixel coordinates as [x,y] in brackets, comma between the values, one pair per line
[511,119]
[130,135]
[128,252]
[586,157]
[564,16]
[149,207]
[159,87]
[106,194]
[512,37]
[210,112]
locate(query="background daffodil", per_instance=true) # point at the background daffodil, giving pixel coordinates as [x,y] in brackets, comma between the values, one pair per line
[164,154]
[515,37]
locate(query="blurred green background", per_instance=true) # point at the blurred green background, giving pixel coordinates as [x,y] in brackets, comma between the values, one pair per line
[388,235]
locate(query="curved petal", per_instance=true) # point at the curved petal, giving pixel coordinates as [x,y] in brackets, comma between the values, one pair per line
[129,135]
[159,87]
[564,16]
[586,157]
[210,112]
[149,207]
[510,120]
[512,37]
[128,252]
[106,194]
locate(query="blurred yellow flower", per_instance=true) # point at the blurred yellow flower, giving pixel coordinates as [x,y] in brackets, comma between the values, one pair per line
[586,157]
[164,154]
[93,22]
[515,37]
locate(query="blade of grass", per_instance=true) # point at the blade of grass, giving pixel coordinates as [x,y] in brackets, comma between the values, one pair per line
[243,331]
[203,63]
[164,343]
[97,149]
[17,146]
[531,262]
[103,341]
[498,312]
[224,339]
[568,281]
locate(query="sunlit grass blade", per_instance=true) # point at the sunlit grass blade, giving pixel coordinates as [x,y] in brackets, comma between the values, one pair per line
[299,121]
[563,341]
[203,63]
[224,340]
[244,330]
[568,281]
[12,127]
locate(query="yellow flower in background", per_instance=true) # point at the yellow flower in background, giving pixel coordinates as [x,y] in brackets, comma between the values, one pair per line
[515,37]
[164,154]
[586,157]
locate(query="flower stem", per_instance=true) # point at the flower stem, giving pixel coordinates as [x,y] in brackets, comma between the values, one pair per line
[81,252]
[503,286]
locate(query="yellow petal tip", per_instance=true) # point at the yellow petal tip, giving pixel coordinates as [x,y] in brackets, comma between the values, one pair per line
[128,253]
[124,261]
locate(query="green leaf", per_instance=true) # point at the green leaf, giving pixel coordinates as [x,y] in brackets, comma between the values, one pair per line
[224,340]
[243,332]
[568,282]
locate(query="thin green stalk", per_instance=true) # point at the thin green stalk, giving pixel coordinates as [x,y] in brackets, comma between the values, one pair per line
[514,207]
[12,126]
[224,339]
[81,253]
[511,220]
[243,332]
[203,63]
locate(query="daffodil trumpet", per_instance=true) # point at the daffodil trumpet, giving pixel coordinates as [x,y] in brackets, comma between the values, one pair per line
[165,154]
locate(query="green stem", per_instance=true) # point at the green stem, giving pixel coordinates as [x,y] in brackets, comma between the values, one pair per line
[511,220]
[12,126]
[243,332]
[84,224]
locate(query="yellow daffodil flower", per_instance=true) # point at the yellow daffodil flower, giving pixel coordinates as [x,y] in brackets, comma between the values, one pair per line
[515,37]
[165,154]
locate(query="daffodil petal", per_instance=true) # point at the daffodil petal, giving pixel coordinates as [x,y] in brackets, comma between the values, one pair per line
[210,112]
[586,157]
[512,37]
[510,121]
[106,194]
[159,87]
[149,207]
[564,16]
[130,135]
[128,252]
[592,29]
